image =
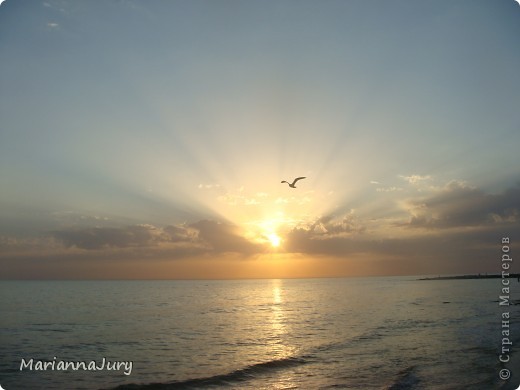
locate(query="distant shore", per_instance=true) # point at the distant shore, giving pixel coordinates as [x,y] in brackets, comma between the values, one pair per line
[477,276]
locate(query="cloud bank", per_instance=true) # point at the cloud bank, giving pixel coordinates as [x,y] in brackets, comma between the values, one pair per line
[459,205]
[204,235]
[451,228]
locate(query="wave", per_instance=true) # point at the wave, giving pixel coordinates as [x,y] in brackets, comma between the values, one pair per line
[240,375]
[404,380]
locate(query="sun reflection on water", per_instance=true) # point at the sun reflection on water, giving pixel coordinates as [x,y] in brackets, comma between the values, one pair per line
[280,347]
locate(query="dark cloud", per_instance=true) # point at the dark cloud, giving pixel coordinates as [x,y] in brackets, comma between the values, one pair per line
[107,237]
[456,229]
[224,237]
[447,251]
[178,234]
[211,235]
[327,234]
[123,237]
[348,224]
[458,205]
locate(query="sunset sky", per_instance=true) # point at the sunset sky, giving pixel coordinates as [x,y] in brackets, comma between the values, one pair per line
[148,139]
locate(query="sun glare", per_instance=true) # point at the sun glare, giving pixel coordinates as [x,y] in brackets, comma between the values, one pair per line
[274,239]
[265,232]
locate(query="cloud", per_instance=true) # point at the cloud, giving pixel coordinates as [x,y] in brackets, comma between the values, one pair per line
[133,236]
[71,218]
[325,235]
[181,233]
[454,228]
[110,237]
[13,244]
[293,200]
[208,186]
[389,189]
[346,225]
[204,235]
[415,179]
[239,197]
[221,237]
[457,228]
[459,205]
[431,252]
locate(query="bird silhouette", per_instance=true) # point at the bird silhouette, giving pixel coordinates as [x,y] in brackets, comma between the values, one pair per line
[292,185]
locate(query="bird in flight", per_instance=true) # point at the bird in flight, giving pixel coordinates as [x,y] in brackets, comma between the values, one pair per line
[292,185]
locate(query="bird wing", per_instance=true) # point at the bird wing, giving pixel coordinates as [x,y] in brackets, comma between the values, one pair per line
[298,178]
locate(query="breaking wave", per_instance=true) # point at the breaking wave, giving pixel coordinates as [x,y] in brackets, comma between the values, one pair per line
[240,375]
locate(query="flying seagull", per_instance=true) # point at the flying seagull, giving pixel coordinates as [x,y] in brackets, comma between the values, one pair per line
[292,185]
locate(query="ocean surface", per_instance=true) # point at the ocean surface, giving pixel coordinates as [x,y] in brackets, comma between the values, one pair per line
[350,333]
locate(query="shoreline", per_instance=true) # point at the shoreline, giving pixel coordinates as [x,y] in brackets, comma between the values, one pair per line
[477,276]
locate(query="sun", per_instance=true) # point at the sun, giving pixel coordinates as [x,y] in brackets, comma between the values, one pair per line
[267,231]
[274,239]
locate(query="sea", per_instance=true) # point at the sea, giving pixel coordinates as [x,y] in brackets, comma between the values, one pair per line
[338,333]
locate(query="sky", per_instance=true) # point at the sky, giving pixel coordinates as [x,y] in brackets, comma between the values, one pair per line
[149,139]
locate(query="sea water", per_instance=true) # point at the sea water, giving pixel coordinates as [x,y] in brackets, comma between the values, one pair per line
[350,333]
